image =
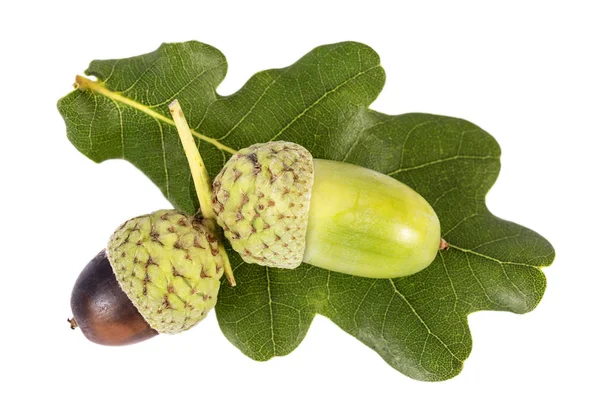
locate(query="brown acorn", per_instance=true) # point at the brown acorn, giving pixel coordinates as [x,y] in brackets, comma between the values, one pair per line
[160,273]
[102,310]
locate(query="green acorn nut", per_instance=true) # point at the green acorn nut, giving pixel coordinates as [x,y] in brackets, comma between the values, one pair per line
[169,265]
[279,207]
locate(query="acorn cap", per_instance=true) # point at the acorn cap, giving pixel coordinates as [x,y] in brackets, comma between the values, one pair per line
[169,265]
[261,198]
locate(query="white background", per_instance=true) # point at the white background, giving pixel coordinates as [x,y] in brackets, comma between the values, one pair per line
[527,72]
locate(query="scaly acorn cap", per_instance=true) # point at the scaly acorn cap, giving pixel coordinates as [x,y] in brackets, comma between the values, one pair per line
[261,198]
[169,265]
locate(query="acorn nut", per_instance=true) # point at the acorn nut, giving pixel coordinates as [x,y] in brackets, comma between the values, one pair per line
[165,271]
[279,207]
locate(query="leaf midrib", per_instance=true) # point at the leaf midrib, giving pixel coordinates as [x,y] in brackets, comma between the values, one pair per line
[98,87]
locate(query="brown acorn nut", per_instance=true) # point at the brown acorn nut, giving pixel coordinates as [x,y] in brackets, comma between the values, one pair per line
[102,310]
[160,273]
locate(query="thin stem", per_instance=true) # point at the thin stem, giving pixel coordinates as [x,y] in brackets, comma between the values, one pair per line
[72,322]
[197,166]
[201,179]
[444,245]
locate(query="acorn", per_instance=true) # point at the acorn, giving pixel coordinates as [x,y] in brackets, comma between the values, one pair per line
[160,273]
[279,207]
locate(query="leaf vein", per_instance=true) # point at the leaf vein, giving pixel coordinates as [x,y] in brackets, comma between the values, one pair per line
[92,123]
[429,331]
[361,302]
[449,280]
[442,160]
[140,77]
[272,325]
[249,110]
[164,154]
[112,71]
[484,291]
[323,96]
[249,314]
[414,128]
[358,137]
[452,189]
[121,128]
[497,240]
[491,258]
[460,223]
[177,92]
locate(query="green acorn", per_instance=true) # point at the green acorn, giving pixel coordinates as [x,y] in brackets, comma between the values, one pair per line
[279,207]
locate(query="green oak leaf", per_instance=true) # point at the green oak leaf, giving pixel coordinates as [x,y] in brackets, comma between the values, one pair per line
[418,324]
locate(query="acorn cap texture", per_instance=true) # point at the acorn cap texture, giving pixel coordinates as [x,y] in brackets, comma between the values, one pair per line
[169,265]
[261,198]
